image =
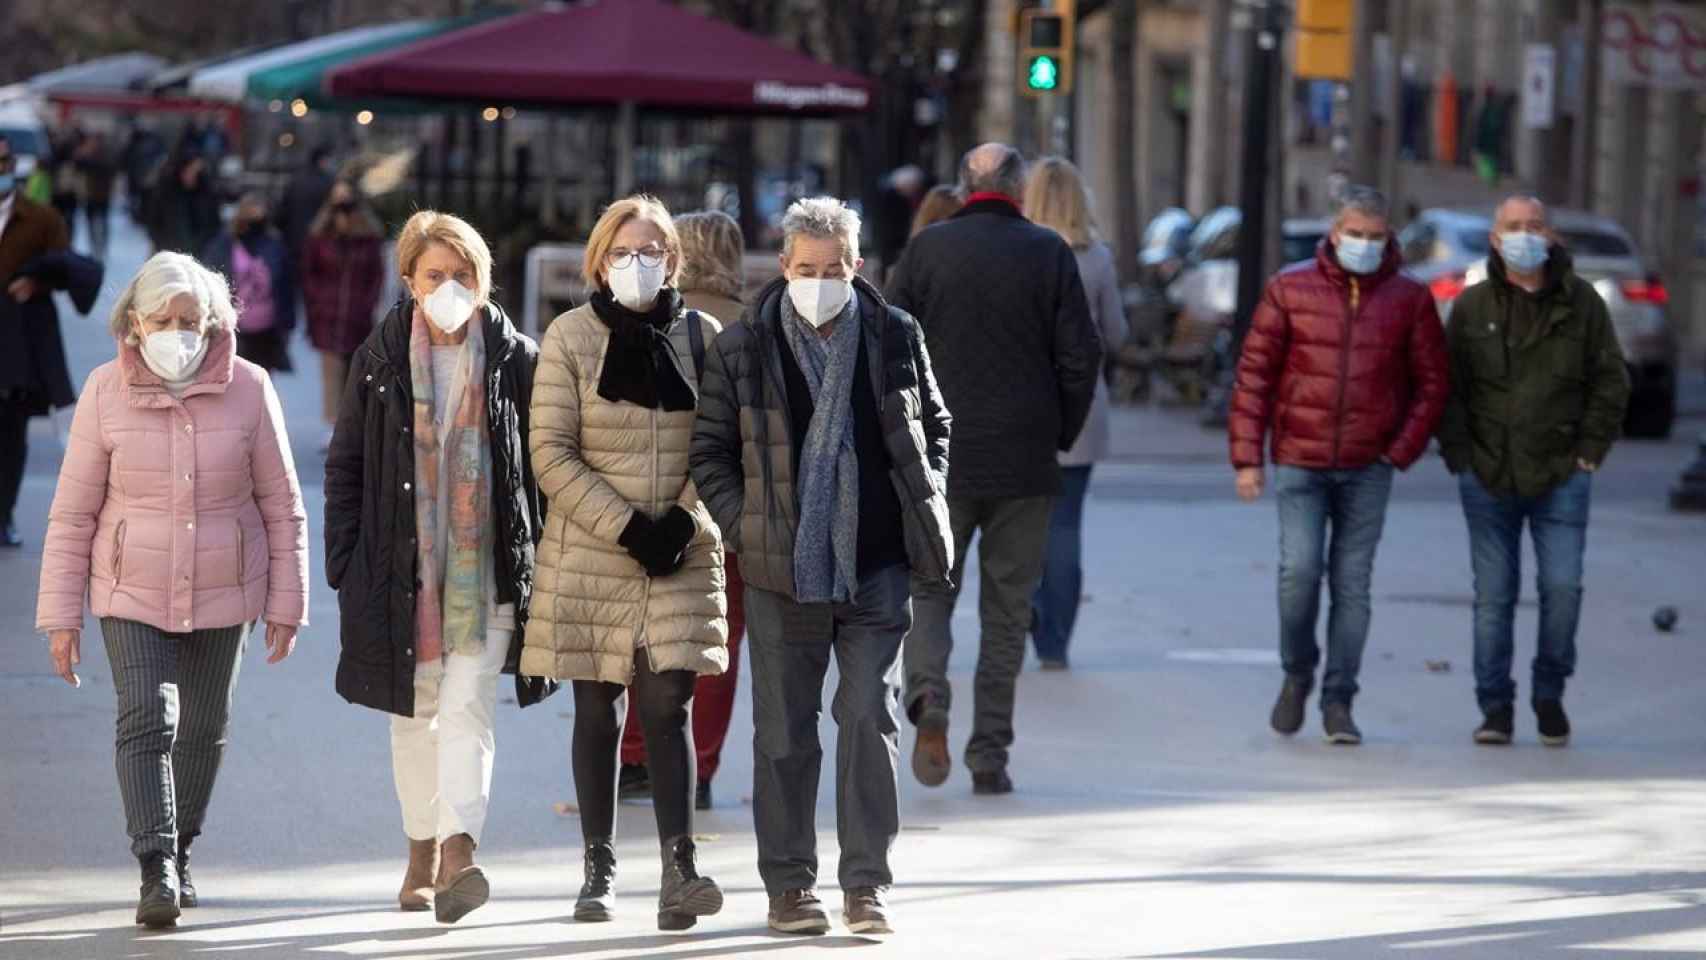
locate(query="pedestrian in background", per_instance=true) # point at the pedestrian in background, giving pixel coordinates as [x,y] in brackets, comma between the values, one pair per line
[631,567]
[252,254]
[303,199]
[1055,197]
[712,271]
[1539,390]
[1016,347]
[67,181]
[182,212]
[897,203]
[819,414]
[432,516]
[343,270]
[179,516]
[1345,367]
[34,378]
[97,168]
[941,203]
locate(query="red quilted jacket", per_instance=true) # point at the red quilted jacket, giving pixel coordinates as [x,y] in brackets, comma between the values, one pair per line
[1345,370]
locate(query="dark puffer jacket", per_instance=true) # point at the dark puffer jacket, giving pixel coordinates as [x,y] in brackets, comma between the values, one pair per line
[1345,370]
[371,555]
[743,457]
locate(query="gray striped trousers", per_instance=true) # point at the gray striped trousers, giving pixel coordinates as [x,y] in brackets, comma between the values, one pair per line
[174,709]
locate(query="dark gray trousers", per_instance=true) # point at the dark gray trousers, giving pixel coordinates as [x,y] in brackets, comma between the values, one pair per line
[174,708]
[1010,564]
[789,645]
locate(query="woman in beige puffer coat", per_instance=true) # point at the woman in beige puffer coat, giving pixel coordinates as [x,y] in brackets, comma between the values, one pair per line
[629,584]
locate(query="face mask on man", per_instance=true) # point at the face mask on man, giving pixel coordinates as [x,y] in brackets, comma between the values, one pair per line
[636,285]
[450,306]
[174,355]
[1360,255]
[819,300]
[1524,252]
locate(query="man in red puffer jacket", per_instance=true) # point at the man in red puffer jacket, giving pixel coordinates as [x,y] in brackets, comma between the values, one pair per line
[1345,364]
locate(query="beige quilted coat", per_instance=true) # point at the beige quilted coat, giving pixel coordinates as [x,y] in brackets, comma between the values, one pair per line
[597,462]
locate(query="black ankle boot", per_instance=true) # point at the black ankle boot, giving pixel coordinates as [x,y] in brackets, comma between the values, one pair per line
[158,905]
[597,902]
[685,895]
[186,886]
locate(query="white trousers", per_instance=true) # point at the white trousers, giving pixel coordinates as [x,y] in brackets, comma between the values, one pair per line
[442,756]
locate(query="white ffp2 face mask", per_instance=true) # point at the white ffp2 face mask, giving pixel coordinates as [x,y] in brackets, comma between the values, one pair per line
[636,285]
[174,355]
[819,300]
[450,306]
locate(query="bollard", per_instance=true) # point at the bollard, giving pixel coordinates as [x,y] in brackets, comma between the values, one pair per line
[1689,494]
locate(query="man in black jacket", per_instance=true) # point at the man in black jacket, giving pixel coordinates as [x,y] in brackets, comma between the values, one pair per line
[820,449]
[1005,316]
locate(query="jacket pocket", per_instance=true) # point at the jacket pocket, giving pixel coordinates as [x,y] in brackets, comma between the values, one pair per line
[118,554]
[925,528]
[242,558]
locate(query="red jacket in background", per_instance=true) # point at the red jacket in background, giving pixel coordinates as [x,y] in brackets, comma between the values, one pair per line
[1344,370]
[341,279]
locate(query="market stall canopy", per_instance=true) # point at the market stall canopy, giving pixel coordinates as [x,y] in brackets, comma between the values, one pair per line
[229,81]
[303,79]
[121,71]
[175,79]
[644,52]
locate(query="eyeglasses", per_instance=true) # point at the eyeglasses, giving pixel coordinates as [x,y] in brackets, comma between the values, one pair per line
[619,259]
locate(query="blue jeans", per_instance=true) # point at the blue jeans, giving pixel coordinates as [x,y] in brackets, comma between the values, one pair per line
[1558,523]
[1054,609]
[1353,504]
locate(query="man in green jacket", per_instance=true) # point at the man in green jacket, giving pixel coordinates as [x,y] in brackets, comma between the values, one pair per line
[1539,388]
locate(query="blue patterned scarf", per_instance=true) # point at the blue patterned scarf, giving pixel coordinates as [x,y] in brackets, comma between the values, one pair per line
[826,546]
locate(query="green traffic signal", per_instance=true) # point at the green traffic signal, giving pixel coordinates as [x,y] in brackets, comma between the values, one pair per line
[1043,73]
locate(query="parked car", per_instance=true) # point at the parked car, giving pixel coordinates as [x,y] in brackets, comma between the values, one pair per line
[1447,250]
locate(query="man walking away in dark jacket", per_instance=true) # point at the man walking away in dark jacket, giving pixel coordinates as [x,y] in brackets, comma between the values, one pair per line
[1539,390]
[1007,322]
[1345,365]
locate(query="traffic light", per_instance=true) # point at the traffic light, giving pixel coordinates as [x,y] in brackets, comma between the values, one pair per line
[1045,50]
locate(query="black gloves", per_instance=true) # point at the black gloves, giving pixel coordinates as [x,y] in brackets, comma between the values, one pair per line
[659,545]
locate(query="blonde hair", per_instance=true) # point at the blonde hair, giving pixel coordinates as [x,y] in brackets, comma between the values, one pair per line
[429,227]
[162,278]
[939,204]
[640,206]
[1055,197]
[711,253]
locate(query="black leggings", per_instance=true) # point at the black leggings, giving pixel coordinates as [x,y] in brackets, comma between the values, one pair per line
[663,706]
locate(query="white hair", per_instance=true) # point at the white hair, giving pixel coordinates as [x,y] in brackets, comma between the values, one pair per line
[164,277]
[823,217]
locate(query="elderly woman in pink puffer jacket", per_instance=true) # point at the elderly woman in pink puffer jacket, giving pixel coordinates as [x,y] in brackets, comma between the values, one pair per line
[179,518]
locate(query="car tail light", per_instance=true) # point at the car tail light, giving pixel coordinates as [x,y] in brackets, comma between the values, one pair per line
[1445,288]
[1651,290]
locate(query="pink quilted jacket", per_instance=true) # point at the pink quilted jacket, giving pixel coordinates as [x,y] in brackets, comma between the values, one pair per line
[181,514]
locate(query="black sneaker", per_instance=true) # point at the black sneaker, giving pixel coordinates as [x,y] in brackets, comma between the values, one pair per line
[1496,727]
[634,782]
[1287,717]
[1340,728]
[1554,725]
[992,784]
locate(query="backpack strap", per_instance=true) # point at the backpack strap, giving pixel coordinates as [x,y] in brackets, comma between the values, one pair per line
[696,340]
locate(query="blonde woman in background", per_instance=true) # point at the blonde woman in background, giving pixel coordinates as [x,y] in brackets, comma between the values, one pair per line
[939,204]
[1055,197]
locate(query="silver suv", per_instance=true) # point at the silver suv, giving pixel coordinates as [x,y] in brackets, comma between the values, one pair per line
[1447,250]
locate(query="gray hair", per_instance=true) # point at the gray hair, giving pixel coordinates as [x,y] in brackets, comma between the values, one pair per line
[164,277]
[1522,198]
[1367,201]
[993,168]
[823,217]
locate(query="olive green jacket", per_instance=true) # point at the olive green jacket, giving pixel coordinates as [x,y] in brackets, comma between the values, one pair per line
[1526,408]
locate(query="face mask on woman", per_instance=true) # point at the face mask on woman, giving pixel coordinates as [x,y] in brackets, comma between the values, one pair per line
[1524,252]
[1360,255]
[174,355]
[636,285]
[819,300]
[450,306]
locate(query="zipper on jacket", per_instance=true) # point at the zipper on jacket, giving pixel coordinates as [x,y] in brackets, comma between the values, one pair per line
[242,556]
[1352,309]
[118,554]
[646,595]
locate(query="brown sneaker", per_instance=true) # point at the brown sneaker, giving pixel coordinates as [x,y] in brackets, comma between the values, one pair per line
[462,886]
[865,911]
[798,911]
